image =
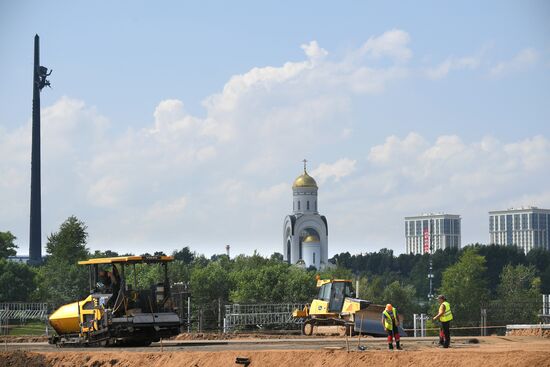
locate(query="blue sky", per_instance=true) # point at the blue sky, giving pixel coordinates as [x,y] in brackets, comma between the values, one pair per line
[178,123]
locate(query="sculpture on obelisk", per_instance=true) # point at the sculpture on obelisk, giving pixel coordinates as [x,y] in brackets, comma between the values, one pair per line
[39,81]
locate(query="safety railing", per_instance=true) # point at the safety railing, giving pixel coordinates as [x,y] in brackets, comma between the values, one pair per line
[21,312]
[238,315]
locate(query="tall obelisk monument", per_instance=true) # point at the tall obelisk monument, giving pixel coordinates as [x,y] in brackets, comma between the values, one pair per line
[39,82]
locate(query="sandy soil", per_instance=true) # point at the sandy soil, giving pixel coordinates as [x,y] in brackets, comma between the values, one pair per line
[529,332]
[22,339]
[513,351]
[318,332]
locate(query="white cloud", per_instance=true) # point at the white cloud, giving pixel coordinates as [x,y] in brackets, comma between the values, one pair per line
[525,59]
[452,63]
[467,170]
[107,191]
[339,169]
[166,210]
[393,44]
[411,175]
[225,175]
[275,192]
[313,51]
[396,150]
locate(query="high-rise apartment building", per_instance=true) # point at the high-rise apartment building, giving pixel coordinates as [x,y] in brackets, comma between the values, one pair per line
[430,232]
[526,228]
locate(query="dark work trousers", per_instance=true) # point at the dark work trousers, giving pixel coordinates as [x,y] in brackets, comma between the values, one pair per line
[393,334]
[445,334]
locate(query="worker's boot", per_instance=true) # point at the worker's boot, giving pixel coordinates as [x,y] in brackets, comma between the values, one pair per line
[390,346]
[398,345]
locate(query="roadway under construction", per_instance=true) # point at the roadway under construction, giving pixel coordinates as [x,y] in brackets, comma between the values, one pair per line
[316,351]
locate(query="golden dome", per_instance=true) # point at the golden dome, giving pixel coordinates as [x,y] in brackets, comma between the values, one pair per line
[310,238]
[304,180]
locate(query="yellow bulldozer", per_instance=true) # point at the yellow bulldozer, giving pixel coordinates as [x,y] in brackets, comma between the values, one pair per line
[336,304]
[117,311]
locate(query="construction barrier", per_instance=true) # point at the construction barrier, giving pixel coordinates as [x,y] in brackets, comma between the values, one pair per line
[259,315]
[21,312]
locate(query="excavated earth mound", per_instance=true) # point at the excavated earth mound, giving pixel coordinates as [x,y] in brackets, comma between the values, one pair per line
[433,357]
[529,332]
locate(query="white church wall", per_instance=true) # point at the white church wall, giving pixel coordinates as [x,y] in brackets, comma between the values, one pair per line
[311,254]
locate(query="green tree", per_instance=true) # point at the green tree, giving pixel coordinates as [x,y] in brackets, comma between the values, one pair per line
[210,283]
[265,284]
[69,243]
[300,285]
[540,258]
[465,286]
[372,288]
[518,294]
[338,272]
[61,279]
[7,245]
[60,282]
[403,297]
[210,287]
[274,282]
[17,281]
[419,275]
[184,255]
[497,257]
[106,253]
[276,256]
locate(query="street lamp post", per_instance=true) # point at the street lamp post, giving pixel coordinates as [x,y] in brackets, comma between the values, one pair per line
[430,273]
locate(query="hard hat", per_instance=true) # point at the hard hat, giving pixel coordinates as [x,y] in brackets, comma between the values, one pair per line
[389,307]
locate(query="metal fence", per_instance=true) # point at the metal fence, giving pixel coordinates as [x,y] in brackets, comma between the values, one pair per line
[260,315]
[23,311]
[545,314]
[494,317]
[181,296]
[20,312]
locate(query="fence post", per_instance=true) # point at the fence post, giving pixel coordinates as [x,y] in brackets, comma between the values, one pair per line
[483,322]
[188,314]
[423,318]
[7,321]
[219,314]
[415,317]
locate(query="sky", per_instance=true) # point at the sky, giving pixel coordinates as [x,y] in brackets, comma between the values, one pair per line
[177,123]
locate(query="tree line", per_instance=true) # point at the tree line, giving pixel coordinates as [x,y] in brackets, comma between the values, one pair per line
[500,278]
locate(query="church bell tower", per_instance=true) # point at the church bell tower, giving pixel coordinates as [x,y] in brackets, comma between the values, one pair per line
[305,231]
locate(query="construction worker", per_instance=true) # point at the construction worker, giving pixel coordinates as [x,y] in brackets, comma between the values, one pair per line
[445,316]
[390,321]
[103,281]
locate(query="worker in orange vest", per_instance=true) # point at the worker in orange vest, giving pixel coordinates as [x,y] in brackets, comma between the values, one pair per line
[391,324]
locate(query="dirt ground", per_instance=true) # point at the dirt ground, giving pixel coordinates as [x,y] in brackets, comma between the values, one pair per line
[494,351]
[318,332]
[22,339]
[322,332]
[529,332]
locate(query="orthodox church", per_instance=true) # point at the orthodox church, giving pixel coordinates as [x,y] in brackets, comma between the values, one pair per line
[305,231]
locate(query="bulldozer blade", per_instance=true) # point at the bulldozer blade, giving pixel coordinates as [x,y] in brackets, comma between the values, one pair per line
[369,321]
